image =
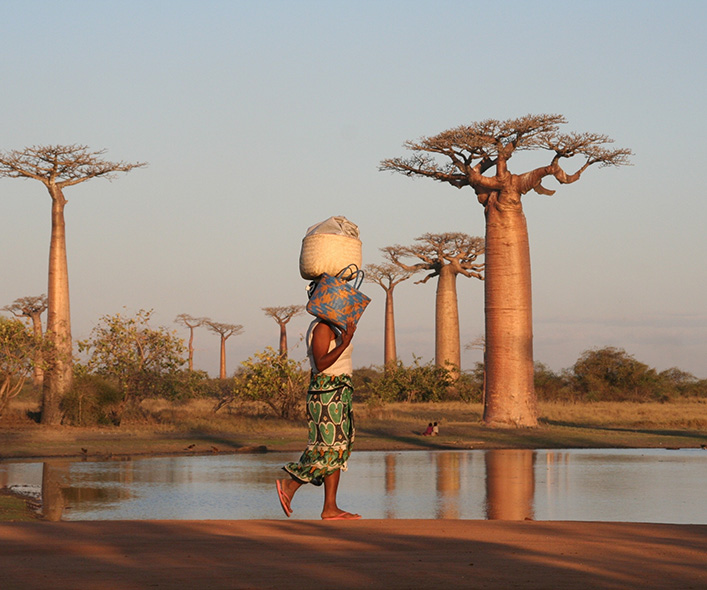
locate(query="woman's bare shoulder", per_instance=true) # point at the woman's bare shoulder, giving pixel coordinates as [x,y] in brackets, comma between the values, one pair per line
[323,329]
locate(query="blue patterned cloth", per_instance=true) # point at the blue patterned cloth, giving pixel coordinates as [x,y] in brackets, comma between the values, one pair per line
[331,429]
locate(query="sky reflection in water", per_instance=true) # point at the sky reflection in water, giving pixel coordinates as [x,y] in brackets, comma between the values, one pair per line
[635,485]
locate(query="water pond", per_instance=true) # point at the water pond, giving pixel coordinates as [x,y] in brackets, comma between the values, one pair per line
[633,485]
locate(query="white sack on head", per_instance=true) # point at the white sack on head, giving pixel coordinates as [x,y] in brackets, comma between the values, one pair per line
[339,226]
[328,247]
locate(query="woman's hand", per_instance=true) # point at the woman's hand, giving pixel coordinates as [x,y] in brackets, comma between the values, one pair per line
[347,333]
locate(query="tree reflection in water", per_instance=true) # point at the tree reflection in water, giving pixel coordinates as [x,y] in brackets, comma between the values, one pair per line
[62,489]
[390,482]
[445,484]
[448,483]
[55,476]
[510,484]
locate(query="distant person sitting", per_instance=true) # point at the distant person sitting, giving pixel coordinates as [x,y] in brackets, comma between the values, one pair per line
[435,429]
[429,430]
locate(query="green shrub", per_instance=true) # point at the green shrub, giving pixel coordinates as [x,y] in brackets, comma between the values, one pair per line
[278,382]
[144,361]
[469,387]
[416,383]
[92,401]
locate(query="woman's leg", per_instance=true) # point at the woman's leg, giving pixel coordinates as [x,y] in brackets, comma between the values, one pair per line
[290,486]
[331,486]
[331,510]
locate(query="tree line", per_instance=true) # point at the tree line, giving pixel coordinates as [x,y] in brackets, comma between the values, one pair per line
[126,360]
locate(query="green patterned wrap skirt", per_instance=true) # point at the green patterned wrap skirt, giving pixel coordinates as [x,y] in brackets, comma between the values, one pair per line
[331,429]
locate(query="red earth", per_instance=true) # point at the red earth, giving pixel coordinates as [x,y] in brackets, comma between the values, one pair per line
[390,554]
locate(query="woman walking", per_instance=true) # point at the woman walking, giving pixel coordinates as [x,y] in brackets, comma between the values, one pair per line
[330,420]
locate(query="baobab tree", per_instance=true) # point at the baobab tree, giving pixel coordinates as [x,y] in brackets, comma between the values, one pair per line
[477,156]
[479,343]
[388,276]
[445,256]
[59,167]
[225,331]
[32,308]
[192,323]
[282,315]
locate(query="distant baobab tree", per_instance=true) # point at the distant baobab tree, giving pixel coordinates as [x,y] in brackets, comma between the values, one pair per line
[479,343]
[58,167]
[32,307]
[225,331]
[190,322]
[444,256]
[477,156]
[282,315]
[388,276]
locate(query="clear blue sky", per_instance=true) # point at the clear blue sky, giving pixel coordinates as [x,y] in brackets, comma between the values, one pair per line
[259,119]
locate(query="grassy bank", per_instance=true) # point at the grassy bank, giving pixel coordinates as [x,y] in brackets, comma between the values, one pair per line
[193,428]
[15,509]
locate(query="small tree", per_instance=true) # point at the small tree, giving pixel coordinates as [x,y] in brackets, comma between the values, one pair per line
[275,380]
[225,331]
[683,383]
[130,352]
[550,385]
[192,323]
[611,374]
[31,307]
[58,167]
[445,256]
[388,276]
[19,350]
[282,315]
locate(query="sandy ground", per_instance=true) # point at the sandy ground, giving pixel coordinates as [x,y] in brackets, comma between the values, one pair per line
[410,554]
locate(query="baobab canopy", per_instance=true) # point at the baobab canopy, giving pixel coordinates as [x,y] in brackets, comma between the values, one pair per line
[469,151]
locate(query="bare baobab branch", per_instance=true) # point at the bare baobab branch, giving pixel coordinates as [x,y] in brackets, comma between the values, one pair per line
[61,165]
[28,307]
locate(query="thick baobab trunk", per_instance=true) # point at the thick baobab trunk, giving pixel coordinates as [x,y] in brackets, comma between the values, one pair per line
[191,348]
[390,353]
[38,371]
[510,394]
[447,348]
[222,373]
[283,340]
[58,377]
